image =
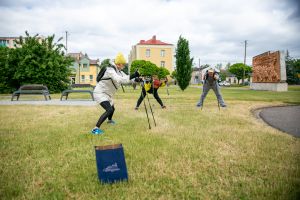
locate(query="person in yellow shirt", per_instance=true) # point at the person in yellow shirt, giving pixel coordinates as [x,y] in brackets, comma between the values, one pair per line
[151,86]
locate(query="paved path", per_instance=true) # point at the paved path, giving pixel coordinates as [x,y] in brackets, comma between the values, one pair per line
[51,102]
[285,118]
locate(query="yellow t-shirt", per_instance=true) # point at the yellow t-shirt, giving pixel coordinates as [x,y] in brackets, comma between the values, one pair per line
[147,86]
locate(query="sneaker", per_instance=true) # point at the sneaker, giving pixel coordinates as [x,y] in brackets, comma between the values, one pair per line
[224,105]
[136,108]
[163,107]
[97,131]
[111,122]
[199,105]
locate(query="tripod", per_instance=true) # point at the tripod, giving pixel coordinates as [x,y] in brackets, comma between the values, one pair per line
[142,94]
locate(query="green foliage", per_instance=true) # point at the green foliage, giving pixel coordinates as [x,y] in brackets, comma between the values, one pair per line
[36,61]
[222,76]
[105,63]
[162,72]
[7,69]
[183,63]
[238,70]
[147,68]
[292,70]
[174,74]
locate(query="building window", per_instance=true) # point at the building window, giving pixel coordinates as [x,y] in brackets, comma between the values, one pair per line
[162,53]
[82,78]
[147,53]
[162,63]
[3,43]
[84,65]
[91,78]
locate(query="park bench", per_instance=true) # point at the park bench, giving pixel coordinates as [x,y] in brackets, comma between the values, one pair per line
[66,93]
[32,89]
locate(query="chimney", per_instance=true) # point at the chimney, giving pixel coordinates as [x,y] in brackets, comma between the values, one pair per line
[154,37]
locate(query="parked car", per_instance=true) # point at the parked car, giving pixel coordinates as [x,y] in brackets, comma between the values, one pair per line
[224,83]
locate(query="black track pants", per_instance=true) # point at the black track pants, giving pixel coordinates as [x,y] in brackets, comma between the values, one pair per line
[109,111]
[143,94]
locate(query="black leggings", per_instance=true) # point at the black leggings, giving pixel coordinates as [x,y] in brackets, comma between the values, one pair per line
[143,94]
[109,111]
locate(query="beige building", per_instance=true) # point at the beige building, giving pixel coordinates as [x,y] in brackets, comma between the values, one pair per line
[84,69]
[10,41]
[156,51]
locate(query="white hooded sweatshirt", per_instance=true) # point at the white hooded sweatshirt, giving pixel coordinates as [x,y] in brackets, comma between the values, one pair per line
[106,89]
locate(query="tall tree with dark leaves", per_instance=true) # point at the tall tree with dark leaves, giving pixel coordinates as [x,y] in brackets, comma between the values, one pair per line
[292,69]
[183,63]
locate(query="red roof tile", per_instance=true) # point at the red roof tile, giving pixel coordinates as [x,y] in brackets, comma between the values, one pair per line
[153,41]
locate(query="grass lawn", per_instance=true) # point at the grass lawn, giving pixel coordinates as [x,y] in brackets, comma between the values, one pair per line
[48,153]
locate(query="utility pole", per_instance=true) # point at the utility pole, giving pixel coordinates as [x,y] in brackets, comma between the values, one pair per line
[244,62]
[66,42]
[200,75]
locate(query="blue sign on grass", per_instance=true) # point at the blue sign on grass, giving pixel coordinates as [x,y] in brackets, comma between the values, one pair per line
[111,165]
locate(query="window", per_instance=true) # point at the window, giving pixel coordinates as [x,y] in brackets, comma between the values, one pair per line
[82,78]
[147,53]
[162,53]
[91,78]
[84,65]
[3,43]
[162,63]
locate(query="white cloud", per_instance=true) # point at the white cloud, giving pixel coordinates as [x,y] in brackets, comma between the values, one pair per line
[216,30]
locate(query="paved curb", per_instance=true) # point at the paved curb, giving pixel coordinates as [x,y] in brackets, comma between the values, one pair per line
[55,102]
[265,115]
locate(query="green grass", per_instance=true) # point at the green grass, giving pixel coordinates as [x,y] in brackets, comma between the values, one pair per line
[48,153]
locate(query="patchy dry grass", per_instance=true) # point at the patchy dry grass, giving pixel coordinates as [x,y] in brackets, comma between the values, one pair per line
[47,151]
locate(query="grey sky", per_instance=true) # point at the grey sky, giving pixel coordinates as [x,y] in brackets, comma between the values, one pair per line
[216,29]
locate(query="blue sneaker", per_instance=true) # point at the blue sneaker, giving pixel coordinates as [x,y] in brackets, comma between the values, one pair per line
[199,105]
[97,131]
[112,122]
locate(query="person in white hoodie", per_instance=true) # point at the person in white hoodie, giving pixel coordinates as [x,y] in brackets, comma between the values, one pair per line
[108,83]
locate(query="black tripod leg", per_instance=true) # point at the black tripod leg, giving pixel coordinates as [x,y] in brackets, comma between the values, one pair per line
[147,115]
[151,109]
[142,95]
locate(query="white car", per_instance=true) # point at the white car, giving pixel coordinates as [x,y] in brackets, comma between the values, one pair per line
[224,83]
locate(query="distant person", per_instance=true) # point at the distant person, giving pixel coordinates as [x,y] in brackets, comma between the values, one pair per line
[151,86]
[109,80]
[211,82]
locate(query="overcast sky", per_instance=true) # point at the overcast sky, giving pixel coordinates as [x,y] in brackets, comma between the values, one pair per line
[216,29]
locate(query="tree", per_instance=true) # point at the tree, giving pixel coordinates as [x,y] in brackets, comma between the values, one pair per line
[7,70]
[292,70]
[105,63]
[147,68]
[174,74]
[227,66]
[238,70]
[222,76]
[183,63]
[37,61]
[162,72]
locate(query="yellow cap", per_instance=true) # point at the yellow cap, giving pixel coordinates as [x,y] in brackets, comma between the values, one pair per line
[120,59]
